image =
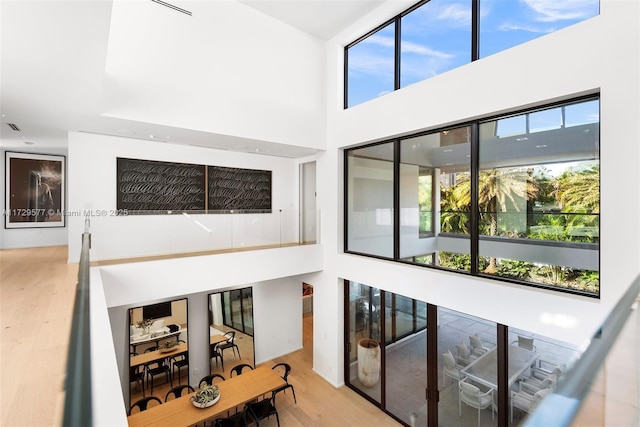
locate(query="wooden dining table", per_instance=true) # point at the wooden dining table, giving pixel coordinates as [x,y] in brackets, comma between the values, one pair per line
[234,392]
[216,338]
[152,356]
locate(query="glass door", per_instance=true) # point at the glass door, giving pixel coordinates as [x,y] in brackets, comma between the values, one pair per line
[405,360]
[364,361]
[237,308]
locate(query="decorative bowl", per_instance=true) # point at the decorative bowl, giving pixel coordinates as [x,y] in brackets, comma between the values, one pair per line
[207,395]
[205,405]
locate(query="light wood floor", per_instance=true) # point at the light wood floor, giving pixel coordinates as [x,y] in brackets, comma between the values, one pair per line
[37,289]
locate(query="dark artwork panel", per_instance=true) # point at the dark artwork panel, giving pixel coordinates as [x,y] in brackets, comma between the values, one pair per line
[147,186]
[235,189]
[35,190]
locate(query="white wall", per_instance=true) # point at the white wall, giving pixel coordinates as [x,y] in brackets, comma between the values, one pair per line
[597,55]
[92,186]
[29,237]
[227,69]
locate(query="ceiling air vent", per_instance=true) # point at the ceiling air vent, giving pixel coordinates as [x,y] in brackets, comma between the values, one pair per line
[163,3]
[14,127]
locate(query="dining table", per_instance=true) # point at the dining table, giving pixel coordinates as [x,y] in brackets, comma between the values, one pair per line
[484,369]
[152,356]
[234,393]
[217,338]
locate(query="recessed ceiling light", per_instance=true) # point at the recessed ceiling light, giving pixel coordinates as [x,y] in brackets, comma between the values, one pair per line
[541,146]
[152,136]
[29,142]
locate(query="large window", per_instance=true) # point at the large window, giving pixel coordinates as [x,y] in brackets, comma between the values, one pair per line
[535,219]
[435,36]
[426,347]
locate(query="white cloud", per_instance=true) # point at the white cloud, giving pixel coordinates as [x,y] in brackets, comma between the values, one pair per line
[409,47]
[556,10]
[379,40]
[508,26]
[455,14]
[371,64]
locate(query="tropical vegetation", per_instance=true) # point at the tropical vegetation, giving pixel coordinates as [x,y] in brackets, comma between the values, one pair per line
[527,203]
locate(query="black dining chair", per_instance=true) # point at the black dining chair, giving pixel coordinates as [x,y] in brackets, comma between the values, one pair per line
[239,368]
[210,379]
[136,374]
[263,409]
[143,403]
[178,362]
[238,419]
[177,391]
[157,367]
[285,375]
[229,343]
[214,353]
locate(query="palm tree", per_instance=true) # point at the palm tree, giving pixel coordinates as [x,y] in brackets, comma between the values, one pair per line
[579,191]
[498,190]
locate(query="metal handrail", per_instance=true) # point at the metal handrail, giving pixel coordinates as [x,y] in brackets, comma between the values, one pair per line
[561,407]
[77,405]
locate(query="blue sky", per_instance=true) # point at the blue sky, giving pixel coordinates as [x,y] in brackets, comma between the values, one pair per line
[436,37]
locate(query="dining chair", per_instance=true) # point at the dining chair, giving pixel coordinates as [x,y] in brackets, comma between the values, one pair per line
[178,362]
[472,396]
[450,368]
[238,419]
[143,403]
[464,354]
[136,374]
[157,367]
[527,402]
[230,343]
[210,379]
[214,353]
[177,391]
[477,346]
[285,375]
[263,409]
[524,342]
[238,368]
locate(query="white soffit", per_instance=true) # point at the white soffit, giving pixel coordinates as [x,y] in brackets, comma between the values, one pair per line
[320,18]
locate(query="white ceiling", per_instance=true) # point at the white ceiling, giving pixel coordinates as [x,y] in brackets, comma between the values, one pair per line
[52,64]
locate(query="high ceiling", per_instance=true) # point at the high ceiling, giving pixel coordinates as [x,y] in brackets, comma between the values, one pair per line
[53,59]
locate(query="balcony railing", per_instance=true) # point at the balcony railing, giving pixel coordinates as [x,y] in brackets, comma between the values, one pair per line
[177,233]
[562,406]
[77,405]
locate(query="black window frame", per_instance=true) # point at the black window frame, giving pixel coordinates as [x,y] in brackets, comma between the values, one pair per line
[474,236]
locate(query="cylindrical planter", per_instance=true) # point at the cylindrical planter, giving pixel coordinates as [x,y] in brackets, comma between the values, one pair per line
[368,362]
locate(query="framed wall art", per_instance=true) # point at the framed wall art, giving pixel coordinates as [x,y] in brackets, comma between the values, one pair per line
[35,190]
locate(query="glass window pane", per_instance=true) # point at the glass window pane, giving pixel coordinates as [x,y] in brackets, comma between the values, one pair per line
[452,161]
[553,359]
[442,158]
[364,338]
[435,38]
[406,367]
[370,200]
[504,24]
[462,340]
[371,66]
[539,198]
